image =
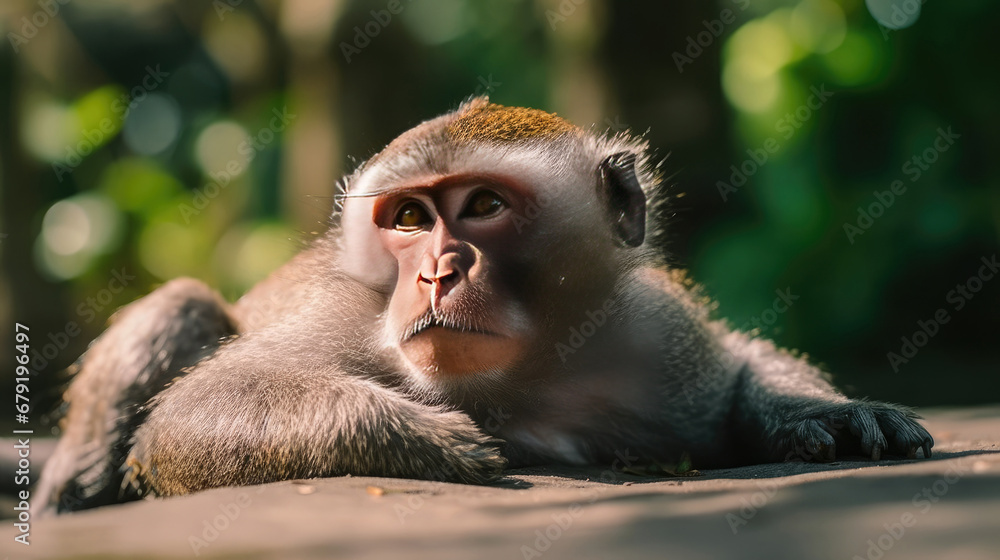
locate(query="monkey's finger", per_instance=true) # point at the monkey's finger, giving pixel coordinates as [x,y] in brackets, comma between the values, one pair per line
[817,440]
[926,441]
[864,425]
[905,434]
[896,430]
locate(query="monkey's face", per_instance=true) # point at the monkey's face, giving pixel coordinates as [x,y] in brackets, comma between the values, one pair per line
[490,231]
[453,311]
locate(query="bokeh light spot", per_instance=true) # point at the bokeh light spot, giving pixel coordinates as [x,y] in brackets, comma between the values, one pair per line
[247,257]
[237,44]
[97,111]
[220,144]
[153,124]
[894,14]
[48,129]
[437,21]
[168,250]
[752,59]
[857,61]
[818,25]
[75,230]
[139,185]
[65,228]
[748,91]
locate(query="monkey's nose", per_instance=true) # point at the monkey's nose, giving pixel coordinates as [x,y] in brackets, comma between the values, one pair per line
[443,276]
[441,285]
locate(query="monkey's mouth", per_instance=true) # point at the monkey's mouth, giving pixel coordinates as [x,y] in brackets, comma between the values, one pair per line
[440,345]
[431,320]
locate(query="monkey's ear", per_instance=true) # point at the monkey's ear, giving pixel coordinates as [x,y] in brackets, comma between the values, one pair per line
[625,202]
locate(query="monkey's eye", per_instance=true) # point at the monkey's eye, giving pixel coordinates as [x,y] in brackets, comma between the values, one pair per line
[411,216]
[484,204]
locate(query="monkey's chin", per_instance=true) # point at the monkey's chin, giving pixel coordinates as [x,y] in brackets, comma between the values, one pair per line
[443,352]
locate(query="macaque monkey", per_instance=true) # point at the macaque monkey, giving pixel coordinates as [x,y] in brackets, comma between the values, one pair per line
[485,300]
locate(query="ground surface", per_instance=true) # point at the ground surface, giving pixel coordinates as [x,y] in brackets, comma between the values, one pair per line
[944,508]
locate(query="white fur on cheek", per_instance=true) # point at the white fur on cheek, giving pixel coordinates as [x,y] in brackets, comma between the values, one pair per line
[365,257]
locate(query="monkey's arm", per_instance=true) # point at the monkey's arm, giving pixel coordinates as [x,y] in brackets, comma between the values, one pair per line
[290,401]
[235,420]
[786,407]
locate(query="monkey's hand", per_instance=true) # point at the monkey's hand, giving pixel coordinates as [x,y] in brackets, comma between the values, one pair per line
[824,431]
[788,403]
[453,448]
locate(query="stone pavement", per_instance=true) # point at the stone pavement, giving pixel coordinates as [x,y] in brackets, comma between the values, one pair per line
[944,508]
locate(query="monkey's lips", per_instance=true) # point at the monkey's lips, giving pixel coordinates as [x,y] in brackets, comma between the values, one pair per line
[441,348]
[431,321]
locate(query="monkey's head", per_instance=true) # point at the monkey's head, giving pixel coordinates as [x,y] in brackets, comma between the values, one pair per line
[491,230]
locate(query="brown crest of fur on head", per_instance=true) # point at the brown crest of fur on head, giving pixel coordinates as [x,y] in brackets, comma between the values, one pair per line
[478,119]
[475,121]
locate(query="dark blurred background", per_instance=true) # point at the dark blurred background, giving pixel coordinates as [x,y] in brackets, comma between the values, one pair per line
[142,140]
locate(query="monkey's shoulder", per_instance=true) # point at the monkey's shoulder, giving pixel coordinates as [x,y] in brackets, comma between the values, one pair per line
[658,294]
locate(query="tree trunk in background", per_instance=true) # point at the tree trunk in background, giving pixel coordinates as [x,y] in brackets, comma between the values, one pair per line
[313,145]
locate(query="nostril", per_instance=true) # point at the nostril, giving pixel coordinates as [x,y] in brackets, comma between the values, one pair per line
[443,273]
[450,276]
[447,278]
